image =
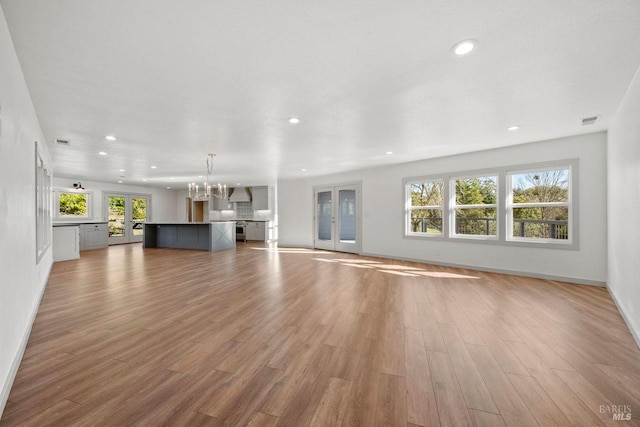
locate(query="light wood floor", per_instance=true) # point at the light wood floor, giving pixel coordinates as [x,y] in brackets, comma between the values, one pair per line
[267,337]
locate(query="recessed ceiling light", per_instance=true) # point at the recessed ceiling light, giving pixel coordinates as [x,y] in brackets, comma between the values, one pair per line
[303,170]
[110,137]
[144,180]
[464,47]
[121,170]
[102,153]
[119,182]
[294,120]
[200,176]
[388,153]
[154,167]
[237,183]
[168,188]
[515,127]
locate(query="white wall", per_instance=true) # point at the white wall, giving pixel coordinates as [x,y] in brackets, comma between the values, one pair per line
[163,202]
[383,215]
[21,279]
[623,156]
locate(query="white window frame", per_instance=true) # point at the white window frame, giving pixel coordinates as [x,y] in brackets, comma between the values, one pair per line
[503,224]
[453,206]
[56,201]
[409,207]
[568,204]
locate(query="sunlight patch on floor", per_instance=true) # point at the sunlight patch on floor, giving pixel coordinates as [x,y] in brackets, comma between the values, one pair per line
[357,261]
[398,273]
[445,275]
[292,250]
[399,270]
[358,265]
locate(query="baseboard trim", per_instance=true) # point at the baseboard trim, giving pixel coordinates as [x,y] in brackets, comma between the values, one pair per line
[635,334]
[15,365]
[495,270]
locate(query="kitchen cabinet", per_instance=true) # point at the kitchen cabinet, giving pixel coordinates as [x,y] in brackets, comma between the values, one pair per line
[257,230]
[220,204]
[94,236]
[260,198]
[66,242]
[211,236]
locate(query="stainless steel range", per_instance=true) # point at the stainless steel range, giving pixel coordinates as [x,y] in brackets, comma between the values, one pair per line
[241,231]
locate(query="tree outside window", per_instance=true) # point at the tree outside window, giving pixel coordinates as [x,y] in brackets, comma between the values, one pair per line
[476,206]
[539,207]
[72,204]
[427,202]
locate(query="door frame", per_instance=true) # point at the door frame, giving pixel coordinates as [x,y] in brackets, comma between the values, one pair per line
[334,244]
[128,215]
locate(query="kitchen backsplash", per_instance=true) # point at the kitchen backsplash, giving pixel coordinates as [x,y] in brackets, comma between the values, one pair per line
[244,210]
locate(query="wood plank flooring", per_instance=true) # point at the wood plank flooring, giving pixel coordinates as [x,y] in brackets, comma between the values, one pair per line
[262,336]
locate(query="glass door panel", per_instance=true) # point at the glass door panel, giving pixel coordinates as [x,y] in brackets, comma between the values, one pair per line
[139,206]
[116,217]
[347,215]
[347,219]
[324,219]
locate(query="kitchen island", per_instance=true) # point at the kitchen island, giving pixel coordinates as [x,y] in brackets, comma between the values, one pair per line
[209,236]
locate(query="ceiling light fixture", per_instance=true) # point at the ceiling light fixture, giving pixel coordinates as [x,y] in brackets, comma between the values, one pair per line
[464,47]
[144,180]
[512,128]
[154,167]
[389,153]
[121,170]
[119,182]
[220,191]
[110,137]
[294,120]
[102,153]
[303,170]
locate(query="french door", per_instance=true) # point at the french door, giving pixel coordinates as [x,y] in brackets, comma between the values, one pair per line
[337,218]
[126,214]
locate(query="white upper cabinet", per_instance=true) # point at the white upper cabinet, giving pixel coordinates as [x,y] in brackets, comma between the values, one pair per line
[261,198]
[220,204]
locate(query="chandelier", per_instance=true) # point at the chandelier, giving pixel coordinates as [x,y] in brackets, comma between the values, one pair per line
[219,191]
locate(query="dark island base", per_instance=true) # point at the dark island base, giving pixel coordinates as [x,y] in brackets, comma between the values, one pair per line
[208,236]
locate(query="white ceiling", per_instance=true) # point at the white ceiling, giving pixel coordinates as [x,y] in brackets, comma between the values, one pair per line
[175,80]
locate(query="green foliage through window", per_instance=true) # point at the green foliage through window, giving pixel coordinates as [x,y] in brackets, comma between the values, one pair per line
[471,193]
[73,204]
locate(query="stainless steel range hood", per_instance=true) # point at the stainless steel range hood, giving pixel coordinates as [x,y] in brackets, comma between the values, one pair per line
[240,194]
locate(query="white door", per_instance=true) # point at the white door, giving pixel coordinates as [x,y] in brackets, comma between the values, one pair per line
[126,214]
[337,218]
